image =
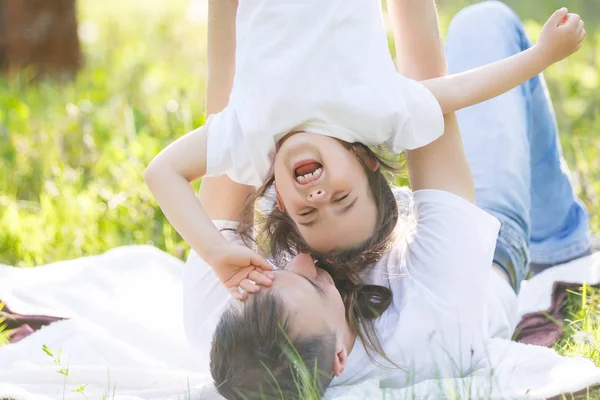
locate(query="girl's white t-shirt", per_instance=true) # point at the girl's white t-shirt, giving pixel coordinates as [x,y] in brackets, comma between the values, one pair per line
[318,66]
[447,300]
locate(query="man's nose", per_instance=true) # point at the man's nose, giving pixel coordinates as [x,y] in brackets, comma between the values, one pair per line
[302,264]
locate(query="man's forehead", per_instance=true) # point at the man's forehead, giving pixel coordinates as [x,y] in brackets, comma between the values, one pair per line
[289,279]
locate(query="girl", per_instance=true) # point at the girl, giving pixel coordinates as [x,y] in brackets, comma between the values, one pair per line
[314,86]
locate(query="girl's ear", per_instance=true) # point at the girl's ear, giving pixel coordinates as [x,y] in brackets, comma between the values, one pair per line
[280,205]
[369,161]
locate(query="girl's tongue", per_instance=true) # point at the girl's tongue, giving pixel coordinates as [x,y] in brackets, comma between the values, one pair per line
[308,173]
[307,168]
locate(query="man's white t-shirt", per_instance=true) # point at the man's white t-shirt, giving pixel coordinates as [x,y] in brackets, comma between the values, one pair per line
[447,300]
[318,66]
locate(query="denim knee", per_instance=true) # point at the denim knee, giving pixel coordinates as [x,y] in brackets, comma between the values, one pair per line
[486,16]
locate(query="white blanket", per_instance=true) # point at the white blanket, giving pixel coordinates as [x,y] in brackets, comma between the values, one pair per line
[124,338]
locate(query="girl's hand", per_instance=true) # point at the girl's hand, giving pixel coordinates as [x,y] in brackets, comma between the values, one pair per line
[238,266]
[561,36]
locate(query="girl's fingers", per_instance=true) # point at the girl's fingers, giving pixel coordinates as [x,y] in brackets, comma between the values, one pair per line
[261,263]
[236,294]
[260,278]
[580,27]
[559,16]
[249,286]
[573,21]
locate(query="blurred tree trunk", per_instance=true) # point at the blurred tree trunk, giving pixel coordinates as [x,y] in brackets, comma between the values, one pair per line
[40,35]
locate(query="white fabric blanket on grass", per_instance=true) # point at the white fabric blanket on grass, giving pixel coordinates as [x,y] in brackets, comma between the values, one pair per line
[124,339]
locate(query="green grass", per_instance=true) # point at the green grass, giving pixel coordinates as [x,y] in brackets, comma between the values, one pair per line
[582,326]
[3,331]
[72,155]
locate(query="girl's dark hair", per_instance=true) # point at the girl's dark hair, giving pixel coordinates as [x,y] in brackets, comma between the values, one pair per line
[364,303]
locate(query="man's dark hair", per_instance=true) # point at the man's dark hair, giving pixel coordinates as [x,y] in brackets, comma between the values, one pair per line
[255,356]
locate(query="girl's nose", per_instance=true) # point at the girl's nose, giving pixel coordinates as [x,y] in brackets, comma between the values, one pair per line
[316,196]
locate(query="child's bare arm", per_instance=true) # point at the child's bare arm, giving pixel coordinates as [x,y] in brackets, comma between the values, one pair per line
[169,176]
[170,173]
[557,41]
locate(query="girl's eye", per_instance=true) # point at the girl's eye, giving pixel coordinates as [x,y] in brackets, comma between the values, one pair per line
[342,198]
[304,214]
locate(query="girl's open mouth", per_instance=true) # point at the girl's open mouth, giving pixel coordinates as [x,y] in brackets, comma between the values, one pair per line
[307,171]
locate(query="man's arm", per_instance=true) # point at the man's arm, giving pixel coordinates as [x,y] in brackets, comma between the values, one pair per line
[417,39]
[419,55]
[222,198]
[220,53]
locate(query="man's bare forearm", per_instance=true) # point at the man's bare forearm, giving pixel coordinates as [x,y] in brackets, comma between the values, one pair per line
[419,48]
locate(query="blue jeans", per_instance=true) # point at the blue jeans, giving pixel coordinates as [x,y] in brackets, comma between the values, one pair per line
[514,151]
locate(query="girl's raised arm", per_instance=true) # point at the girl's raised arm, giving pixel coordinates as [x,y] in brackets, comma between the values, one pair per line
[561,36]
[169,174]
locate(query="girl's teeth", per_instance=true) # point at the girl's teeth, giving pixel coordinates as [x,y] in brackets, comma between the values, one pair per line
[307,177]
